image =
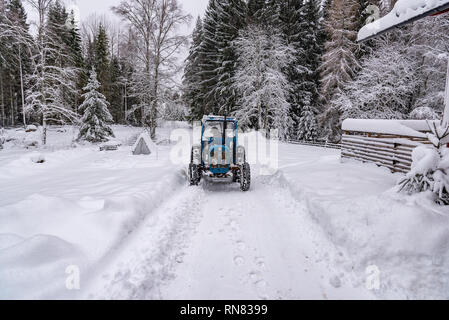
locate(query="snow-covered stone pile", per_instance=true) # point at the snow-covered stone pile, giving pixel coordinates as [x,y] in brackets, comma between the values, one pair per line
[403,11]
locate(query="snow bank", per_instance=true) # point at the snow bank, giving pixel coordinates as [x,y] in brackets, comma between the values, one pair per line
[404,11]
[357,205]
[410,128]
[74,209]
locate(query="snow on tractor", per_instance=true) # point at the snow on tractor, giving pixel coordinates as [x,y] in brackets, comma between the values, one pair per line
[219,157]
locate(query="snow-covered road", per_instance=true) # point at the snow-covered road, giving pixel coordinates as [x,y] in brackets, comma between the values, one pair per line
[215,242]
[136,229]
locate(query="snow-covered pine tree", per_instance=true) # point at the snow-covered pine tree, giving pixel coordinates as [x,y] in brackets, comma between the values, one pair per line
[96,117]
[260,80]
[52,79]
[339,62]
[301,26]
[209,55]
[102,60]
[292,23]
[3,30]
[307,126]
[231,19]
[254,9]
[15,63]
[114,95]
[192,78]
[76,52]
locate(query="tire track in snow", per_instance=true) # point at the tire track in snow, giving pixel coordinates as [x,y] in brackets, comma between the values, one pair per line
[216,242]
[261,244]
[147,260]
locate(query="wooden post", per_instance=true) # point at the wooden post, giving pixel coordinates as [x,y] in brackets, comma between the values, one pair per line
[446,99]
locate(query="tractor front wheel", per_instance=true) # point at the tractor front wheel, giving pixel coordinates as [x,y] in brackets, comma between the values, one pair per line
[245,177]
[194,174]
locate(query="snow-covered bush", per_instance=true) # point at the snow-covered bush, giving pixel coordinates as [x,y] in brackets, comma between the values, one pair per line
[96,116]
[423,113]
[430,167]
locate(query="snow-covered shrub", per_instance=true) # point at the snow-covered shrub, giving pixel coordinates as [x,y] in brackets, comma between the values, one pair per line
[425,163]
[96,116]
[430,167]
[423,113]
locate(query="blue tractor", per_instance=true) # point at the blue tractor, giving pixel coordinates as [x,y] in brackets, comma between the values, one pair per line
[219,157]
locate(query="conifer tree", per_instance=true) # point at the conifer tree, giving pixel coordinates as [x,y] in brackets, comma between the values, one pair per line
[15,57]
[76,53]
[307,127]
[339,62]
[260,80]
[102,61]
[192,78]
[208,52]
[96,116]
[114,92]
[231,19]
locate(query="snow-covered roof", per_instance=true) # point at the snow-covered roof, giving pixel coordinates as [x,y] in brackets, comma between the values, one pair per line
[405,11]
[409,128]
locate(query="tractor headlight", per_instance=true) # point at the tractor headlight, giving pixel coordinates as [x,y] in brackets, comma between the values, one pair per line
[241,155]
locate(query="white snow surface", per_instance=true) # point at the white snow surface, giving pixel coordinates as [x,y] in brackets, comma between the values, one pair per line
[410,128]
[137,230]
[403,11]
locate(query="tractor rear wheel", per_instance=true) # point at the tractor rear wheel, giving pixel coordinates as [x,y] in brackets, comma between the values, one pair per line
[194,174]
[245,177]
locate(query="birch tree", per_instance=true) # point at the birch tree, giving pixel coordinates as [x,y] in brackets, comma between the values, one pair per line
[157,24]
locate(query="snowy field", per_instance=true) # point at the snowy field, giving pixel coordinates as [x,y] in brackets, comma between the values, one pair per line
[317,229]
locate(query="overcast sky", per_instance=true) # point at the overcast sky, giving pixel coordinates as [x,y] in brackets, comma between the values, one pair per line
[84,8]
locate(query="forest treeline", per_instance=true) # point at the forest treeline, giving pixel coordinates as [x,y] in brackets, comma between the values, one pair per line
[291,65]
[295,65]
